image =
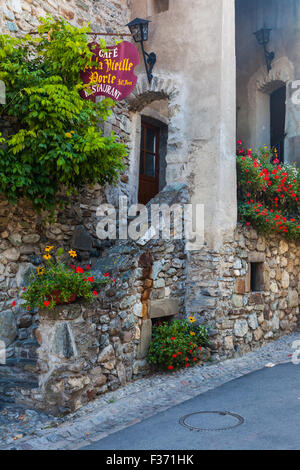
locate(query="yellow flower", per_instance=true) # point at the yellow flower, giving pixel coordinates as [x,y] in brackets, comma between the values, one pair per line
[49,248]
[47,257]
[68,134]
[73,253]
[40,270]
[192,319]
[192,333]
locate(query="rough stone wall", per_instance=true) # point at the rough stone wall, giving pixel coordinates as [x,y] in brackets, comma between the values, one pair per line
[219,291]
[20,16]
[22,234]
[85,350]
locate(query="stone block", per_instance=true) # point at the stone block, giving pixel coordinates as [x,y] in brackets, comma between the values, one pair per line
[8,327]
[63,342]
[237,301]
[228,343]
[293,298]
[241,328]
[106,354]
[240,286]
[24,272]
[81,239]
[163,308]
[252,321]
[146,334]
[256,257]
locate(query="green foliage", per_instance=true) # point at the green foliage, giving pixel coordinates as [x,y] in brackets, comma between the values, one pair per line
[177,344]
[56,283]
[268,193]
[58,143]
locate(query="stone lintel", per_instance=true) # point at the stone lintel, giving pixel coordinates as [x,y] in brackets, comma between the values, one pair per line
[62,312]
[256,257]
[163,308]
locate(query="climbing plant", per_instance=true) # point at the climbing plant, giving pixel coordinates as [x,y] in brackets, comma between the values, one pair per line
[269,192]
[57,144]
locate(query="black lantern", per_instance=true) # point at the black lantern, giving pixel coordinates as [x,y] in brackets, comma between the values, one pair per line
[263,38]
[139,31]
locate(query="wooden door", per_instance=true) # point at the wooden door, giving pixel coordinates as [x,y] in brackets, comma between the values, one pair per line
[149,163]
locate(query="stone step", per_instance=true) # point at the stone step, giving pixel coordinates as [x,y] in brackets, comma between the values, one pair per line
[18,376]
[19,368]
[11,388]
[26,349]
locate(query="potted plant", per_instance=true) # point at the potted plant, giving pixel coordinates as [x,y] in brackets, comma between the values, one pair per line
[57,283]
[180,343]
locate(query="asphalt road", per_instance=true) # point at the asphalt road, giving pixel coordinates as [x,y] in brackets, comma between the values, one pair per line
[268,400]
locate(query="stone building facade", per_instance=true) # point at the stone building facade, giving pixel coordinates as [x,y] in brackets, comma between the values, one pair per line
[244,286]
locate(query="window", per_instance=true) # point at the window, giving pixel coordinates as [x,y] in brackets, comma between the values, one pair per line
[154,7]
[149,162]
[278,110]
[257,277]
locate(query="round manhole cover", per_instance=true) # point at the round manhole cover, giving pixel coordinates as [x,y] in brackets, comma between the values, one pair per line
[211,421]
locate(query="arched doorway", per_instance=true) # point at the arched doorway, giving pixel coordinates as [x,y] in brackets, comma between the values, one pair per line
[155,138]
[153,150]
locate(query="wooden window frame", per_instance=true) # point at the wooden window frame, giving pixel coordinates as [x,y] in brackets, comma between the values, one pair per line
[144,151]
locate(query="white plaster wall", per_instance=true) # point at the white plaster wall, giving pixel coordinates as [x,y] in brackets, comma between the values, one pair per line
[254,83]
[195,46]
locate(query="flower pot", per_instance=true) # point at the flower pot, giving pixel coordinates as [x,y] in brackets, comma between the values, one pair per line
[55,296]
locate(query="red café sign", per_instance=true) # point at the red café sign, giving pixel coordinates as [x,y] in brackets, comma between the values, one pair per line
[113,76]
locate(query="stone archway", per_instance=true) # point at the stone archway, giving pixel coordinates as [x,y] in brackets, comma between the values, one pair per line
[260,87]
[161,88]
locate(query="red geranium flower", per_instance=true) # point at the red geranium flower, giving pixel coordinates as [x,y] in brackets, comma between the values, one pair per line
[46,303]
[91,279]
[79,270]
[88,267]
[14,303]
[173,337]
[170,367]
[95,292]
[106,274]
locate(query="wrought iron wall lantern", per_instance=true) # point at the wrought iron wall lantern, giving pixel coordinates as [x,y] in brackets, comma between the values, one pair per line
[139,31]
[263,39]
